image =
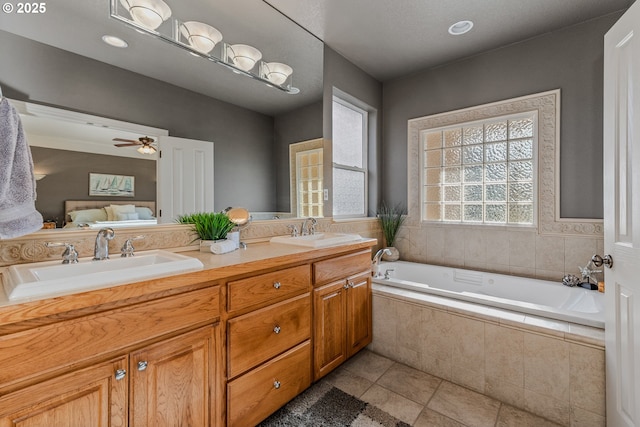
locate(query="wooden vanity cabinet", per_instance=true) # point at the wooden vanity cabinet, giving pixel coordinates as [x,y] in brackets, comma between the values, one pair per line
[268,342]
[154,363]
[342,309]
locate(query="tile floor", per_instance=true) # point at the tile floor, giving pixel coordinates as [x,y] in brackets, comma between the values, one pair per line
[422,400]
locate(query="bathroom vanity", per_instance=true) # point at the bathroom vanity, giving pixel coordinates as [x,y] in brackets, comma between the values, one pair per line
[225,345]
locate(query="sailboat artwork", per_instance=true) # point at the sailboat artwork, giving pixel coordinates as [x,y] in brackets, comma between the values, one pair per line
[101,184]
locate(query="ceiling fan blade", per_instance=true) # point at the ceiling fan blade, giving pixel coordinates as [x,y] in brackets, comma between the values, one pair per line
[132,144]
[126,140]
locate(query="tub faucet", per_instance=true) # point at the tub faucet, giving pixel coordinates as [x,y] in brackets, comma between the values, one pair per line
[375,264]
[101,251]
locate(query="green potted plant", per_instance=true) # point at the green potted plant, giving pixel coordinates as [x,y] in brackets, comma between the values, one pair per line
[208,226]
[391,218]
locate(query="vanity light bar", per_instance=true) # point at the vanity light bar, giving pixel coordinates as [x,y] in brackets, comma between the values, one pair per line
[220,52]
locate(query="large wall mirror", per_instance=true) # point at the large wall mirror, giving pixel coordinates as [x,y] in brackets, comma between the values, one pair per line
[251,124]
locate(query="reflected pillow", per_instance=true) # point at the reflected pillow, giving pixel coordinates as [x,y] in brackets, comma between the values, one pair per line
[144,213]
[88,215]
[127,216]
[117,210]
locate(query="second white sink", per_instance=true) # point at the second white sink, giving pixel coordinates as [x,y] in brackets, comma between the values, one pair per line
[51,277]
[317,240]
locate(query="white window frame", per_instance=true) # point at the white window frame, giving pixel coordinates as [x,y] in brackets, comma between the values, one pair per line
[484,122]
[365,144]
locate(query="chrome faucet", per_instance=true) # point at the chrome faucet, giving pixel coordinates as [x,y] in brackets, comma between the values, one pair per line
[375,263]
[311,229]
[69,256]
[101,250]
[127,249]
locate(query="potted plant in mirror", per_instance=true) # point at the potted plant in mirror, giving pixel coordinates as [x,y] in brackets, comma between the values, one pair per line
[208,226]
[391,218]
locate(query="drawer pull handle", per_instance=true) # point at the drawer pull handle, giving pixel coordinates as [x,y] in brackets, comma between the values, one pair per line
[277,329]
[120,374]
[276,384]
[277,285]
[346,286]
[142,365]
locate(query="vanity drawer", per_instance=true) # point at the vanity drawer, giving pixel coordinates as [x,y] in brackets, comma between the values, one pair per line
[268,288]
[257,394]
[44,349]
[340,267]
[262,334]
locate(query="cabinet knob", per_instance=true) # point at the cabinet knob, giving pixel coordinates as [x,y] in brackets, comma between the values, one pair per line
[276,285]
[277,329]
[120,374]
[142,365]
[276,384]
[346,286]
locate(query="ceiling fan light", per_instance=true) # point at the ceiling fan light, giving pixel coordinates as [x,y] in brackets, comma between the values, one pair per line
[146,149]
[277,73]
[244,56]
[148,13]
[200,36]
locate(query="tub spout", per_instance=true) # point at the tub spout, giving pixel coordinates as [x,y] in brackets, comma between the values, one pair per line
[375,263]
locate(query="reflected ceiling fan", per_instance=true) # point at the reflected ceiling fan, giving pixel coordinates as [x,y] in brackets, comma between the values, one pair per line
[144,143]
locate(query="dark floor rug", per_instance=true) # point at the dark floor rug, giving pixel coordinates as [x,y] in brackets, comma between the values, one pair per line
[323,405]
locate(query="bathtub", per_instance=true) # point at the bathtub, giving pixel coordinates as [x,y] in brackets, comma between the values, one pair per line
[530,296]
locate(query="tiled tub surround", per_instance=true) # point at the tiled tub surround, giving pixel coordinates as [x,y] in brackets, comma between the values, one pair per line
[553,369]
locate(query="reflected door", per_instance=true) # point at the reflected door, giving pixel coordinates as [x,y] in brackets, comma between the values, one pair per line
[185,177]
[622,217]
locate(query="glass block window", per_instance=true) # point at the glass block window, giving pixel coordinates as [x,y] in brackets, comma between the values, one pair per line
[309,182]
[349,145]
[481,172]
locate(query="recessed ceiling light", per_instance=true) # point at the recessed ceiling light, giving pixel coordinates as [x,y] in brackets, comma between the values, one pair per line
[114,41]
[460,28]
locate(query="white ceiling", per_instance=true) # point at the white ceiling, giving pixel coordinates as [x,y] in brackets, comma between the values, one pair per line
[386,38]
[392,38]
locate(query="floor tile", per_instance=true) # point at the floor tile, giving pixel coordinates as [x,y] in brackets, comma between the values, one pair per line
[348,382]
[464,405]
[392,403]
[514,417]
[368,365]
[429,418]
[410,383]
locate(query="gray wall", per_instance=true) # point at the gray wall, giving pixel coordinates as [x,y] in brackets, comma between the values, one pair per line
[299,125]
[341,74]
[68,177]
[244,172]
[570,59]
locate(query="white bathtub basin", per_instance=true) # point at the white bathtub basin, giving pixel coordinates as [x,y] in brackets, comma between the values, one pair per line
[52,277]
[317,240]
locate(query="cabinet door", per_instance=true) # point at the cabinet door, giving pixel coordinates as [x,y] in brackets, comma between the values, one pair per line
[87,397]
[329,330]
[172,381]
[359,328]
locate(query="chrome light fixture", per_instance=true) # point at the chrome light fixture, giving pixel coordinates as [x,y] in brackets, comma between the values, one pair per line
[243,56]
[201,37]
[276,72]
[201,40]
[148,13]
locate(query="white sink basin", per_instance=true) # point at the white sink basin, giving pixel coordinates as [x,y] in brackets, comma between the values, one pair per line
[317,240]
[52,277]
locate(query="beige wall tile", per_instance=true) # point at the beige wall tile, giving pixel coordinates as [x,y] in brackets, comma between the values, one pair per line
[497,248]
[473,379]
[549,407]
[454,239]
[411,325]
[546,366]
[468,344]
[504,391]
[504,355]
[578,252]
[439,367]
[435,245]
[583,418]
[549,253]
[587,378]
[438,335]
[522,249]
[384,323]
[553,275]
[475,247]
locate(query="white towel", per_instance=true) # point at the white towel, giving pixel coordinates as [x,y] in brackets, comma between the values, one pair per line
[18,215]
[223,247]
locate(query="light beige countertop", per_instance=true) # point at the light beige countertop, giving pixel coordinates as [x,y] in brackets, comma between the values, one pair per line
[255,258]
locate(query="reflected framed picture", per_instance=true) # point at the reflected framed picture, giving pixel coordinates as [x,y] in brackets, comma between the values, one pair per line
[101,184]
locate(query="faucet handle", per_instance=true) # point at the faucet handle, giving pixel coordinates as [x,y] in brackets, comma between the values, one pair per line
[127,249]
[70,254]
[294,230]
